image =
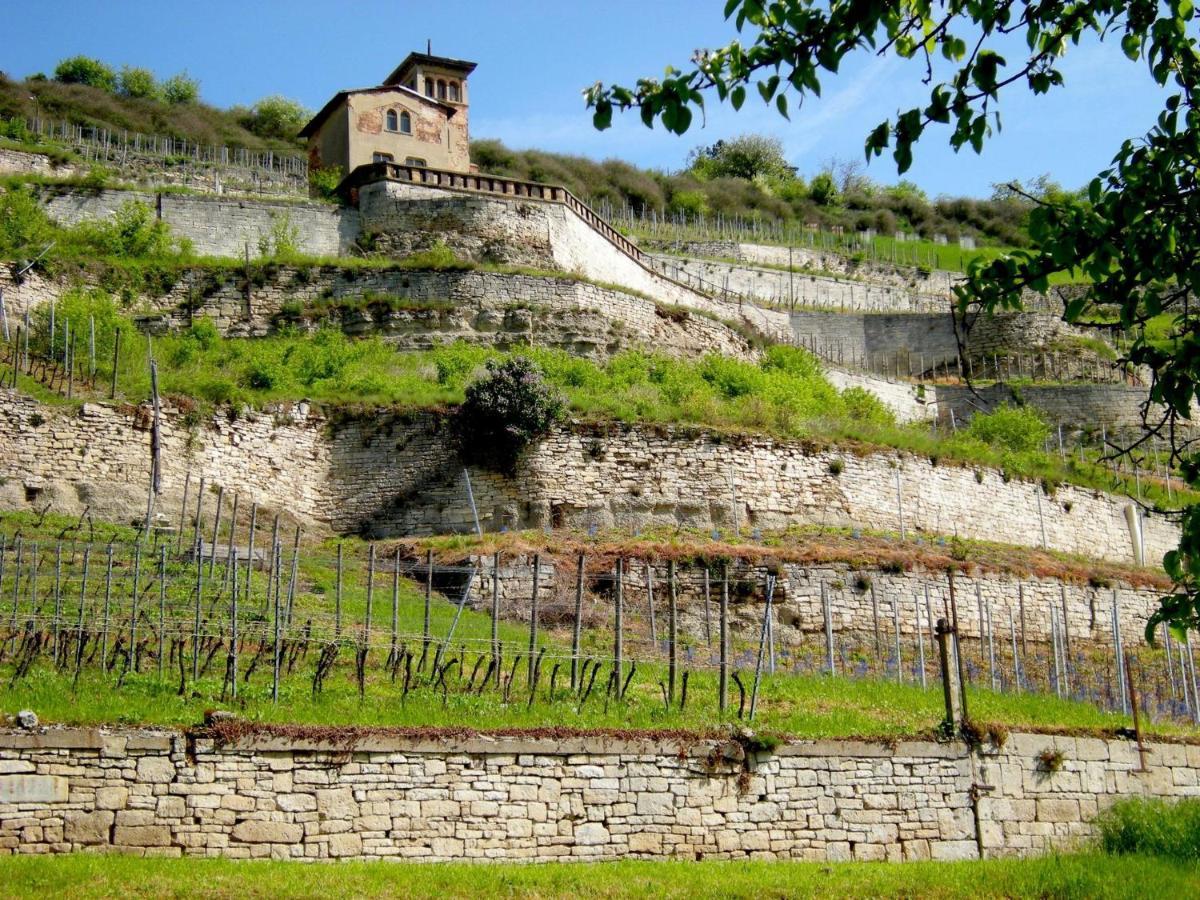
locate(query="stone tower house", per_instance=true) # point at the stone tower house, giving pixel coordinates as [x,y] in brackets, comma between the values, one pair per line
[417,117]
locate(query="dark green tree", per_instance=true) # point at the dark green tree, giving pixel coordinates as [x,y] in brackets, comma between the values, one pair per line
[1134,237]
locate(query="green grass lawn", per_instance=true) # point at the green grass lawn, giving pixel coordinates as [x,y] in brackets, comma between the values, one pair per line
[1046,877]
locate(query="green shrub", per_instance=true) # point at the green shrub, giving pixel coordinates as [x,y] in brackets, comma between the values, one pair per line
[1020,429]
[86,70]
[181,90]
[324,181]
[504,412]
[138,83]
[276,117]
[24,225]
[133,231]
[282,242]
[1152,826]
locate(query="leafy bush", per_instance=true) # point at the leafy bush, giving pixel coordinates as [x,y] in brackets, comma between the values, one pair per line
[138,83]
[181,90]
[86,70]
[1017,428]
[1155,827]
[282,241]
[504,412]
[276,117]
[324,181]
[24,225]
[133,231]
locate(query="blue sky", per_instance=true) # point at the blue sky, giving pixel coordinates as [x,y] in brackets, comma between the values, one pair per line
[535,56]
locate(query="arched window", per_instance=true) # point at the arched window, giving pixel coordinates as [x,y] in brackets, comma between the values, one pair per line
[428,87]
[441,90]
[405,123]
[454,91]
[392,120]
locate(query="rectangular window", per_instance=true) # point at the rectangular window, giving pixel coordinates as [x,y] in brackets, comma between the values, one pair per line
[382,157]
[415,161]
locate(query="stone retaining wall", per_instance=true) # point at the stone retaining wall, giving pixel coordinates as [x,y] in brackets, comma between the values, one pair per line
[398,474]
[162,793]
[217,227]
[405,218]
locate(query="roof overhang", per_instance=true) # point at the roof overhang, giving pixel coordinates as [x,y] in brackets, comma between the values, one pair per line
[425,59]
[337,99]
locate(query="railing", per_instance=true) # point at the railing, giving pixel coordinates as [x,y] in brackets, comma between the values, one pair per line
[514,187]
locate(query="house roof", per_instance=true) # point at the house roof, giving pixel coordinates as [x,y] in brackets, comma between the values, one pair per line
[340,96]
[443,62]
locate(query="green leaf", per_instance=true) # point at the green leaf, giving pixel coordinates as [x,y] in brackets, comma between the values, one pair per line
[782,105]
[737,97]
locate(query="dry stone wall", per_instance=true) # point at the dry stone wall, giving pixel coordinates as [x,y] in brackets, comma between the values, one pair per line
[398,474]
[524,231]
[856,595]
[163,793]
[218,227]
[1089,406]
[505,310]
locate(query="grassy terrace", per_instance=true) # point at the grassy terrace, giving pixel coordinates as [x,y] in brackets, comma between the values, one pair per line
[782,395]
[790,702]
[1050,877]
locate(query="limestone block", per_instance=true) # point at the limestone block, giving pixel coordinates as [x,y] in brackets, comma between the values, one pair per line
[112,797]
[257,832]
[336,803]
[33,789]
[87,828]
[142,836]
[296,802]
[155,770]
[1057,810]
[591,834]
[345,845]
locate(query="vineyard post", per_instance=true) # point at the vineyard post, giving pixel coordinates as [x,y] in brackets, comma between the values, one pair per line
[246,595]
[577,625]
[108,569]
[920,639]
[673,632]
[395,608]
[723,637]
[533,613]
[293,577]
[162,605]
[199,512]
[57,599]
[212,550]
[650,601]
[337,596]
[366,641]
[619,631]
[133,613]
[762,642]
[428,596]
[827,614]
[87,555]
[896,627]
[187,483]
[199,554]
[707,608]
[233,617]
[496,614]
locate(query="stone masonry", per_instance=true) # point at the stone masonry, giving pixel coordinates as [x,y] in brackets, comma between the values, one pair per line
[498,798]
[398,474]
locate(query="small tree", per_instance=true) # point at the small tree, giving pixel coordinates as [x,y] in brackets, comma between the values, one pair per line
[276,117]
[746,156]
[505,411]
[138,83]
[181,89]
[86,70]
